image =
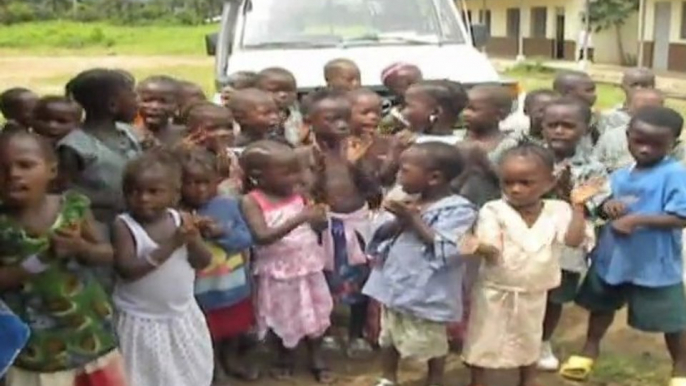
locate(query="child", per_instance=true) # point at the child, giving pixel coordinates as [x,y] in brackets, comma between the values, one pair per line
[222,289]
[365,145]
[92,159]
[280,83]
[565,121]
[488,105]
[55,117]
[580,85]
[519,237]
[16,105]
[257,115]
[211,127]
[397,78]
[162,332]
[417,274]
[189,94]
[612,149]
[534,104]
[633,79]
[342,74]
[157,105]
[638,259]
[293,301]
[348,191]
[48,246]
[237,81]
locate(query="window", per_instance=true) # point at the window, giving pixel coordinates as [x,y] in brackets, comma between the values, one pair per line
[513,22]
[683,19]
[485,18]
[539,19]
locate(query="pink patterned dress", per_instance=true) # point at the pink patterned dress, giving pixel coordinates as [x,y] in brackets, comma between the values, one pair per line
[293,298]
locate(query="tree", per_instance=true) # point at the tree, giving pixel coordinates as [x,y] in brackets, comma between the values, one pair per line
[612,14]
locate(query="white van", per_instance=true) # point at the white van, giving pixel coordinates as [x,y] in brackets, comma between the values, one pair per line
[303,35]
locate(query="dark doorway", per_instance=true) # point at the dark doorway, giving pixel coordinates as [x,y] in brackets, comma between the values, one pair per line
[560,33]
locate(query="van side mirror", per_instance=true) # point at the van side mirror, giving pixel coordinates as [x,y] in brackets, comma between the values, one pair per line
[480,35]
[211,43]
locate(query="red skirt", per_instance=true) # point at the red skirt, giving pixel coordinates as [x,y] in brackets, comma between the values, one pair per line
[231,321]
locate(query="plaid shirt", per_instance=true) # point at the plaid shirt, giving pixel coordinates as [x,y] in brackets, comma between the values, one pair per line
[615,117]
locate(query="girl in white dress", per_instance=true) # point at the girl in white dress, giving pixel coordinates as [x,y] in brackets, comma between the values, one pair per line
[163,335]
[520,236]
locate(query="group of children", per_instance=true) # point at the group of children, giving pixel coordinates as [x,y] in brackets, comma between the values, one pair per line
[148,235]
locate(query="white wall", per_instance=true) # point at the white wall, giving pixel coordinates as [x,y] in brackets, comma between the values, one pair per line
[606,42]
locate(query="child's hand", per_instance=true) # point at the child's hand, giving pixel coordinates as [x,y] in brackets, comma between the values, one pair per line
[208,227]
[563,186]
[469,244]
[625,225]
[586,191]
[316,215]
[402,141]
[188,231]
[614,209]
[66,244]
[402,210]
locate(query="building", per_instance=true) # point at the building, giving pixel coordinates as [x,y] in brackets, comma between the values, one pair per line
[664,34]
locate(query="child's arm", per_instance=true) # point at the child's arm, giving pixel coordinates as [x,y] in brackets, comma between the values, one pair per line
[126,261]
[576,231]
[70,166]
[13,277]
[88,245]
[262,233]
[199,256]
[227,226]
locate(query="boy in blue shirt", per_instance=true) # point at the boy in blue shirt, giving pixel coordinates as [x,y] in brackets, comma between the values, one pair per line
[638,257]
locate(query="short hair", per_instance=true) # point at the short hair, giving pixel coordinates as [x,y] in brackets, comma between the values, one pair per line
[241,80]
[360,92]
[158,157]
[195,111]
[451,96]
[396,68]
[256,156]
[638,72]
[46,148]
[174,84]
[332,67]
[650,91]
[444,158]
[45,102]
[314,98]
[93,89]
[270,72]
[530,149]
[660,116]
[583,108]
[565,80]
[497,94]
[196,156]
[247,98]
[535,94]
[10,100]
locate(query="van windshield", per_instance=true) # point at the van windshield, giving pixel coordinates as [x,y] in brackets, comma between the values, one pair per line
[322,23]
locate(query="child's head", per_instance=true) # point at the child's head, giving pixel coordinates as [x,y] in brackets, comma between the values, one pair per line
[17,104]
[534,104]
[637,78]
[55,116]
[158,101]
[431,103]
[240,80]
[104,95]
[280,83]
[189,93]
[27,167]
[328,114]
[365,111]
[645,97]
[211,125]
[342,74]
[429,167]
[488,105]
[271,166]
[526,174]
[652,134]
[151,184]
[255,111]
[200,177]
[565,121]
[577,84]
[398,77]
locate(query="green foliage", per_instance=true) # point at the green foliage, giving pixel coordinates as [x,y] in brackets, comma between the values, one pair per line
[606,14]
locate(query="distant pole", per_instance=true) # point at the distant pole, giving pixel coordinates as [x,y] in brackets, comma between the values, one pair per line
[641,31]
[520,39]
[583,64]
[74,7]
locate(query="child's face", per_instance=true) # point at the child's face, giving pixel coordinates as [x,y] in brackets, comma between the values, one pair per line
[219,128]
[535,112]
[281,88]
[346,78]
[563,127]
[150,194]
[481,113]
[56,120]
[413,175]
[524,180]
[649,144]
[282,174]
[199,186]
[189,95]
[225,95]
[125,105]
[157,104]
[25,171]
[398,83]
[418,109]
[584,89]
[261,118]
[331,119]
[633,82]
[644,99]
[366,114]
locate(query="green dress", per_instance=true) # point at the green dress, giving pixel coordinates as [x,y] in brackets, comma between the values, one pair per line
[66,308]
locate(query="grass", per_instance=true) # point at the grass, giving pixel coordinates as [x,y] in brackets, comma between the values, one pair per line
[67,37]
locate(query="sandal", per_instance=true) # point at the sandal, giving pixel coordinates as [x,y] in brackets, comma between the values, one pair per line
[677,381]
[578,368]
[322,375]
[384,382]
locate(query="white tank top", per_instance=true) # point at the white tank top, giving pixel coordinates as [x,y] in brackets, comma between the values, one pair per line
[164,292]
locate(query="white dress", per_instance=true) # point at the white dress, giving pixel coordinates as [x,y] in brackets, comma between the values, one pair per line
[162,332]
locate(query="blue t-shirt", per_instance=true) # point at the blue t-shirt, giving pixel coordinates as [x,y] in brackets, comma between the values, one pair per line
[649,257]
